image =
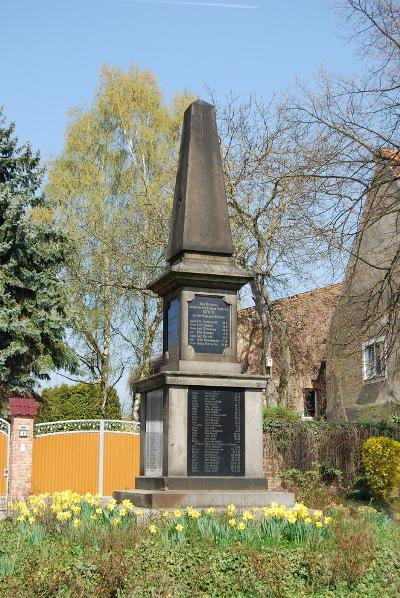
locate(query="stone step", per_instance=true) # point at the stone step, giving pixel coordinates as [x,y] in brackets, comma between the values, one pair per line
[167,499]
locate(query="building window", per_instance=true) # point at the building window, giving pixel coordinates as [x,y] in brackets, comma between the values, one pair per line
[310,403]
[374,359]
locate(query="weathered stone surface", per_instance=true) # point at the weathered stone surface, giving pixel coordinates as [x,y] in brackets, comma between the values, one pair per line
[201,483]
[169,499]
[200,219]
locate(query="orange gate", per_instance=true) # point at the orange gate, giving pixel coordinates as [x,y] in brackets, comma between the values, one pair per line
[4,456]
[96,456]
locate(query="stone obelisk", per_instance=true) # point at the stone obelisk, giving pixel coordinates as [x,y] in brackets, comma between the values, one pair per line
[201,419]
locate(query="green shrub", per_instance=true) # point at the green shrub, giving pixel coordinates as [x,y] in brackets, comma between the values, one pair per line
[381,460]
[314,486]
[81,401]
[272,414]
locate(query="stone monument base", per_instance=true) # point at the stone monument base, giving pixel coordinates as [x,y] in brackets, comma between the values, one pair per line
[173,499]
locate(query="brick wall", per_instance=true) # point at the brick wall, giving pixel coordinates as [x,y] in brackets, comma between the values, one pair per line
[307,318]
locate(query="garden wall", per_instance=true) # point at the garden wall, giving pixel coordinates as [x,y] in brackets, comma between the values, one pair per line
[299,444]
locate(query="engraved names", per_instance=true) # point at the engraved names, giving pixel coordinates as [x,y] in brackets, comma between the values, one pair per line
[209,324]
[154,433]
[215,432]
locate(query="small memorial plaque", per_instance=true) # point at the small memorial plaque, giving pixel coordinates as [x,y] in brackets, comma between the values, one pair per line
[154,433]
[215,432]
[173,326]
[209,324]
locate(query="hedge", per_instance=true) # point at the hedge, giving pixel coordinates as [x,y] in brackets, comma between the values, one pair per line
[81,401]
[301,444]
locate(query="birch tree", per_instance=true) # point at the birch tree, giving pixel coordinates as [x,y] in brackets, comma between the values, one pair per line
[113,184]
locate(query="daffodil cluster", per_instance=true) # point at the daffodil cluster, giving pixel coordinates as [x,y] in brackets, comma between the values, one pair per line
[71,508]
[297,513]
[274,519]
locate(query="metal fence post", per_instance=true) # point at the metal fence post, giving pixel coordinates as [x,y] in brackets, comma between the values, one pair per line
[101,459]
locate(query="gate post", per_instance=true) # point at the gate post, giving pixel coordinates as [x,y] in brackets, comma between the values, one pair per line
[23,412]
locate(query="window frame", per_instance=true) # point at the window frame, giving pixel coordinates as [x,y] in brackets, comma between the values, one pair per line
[310,417]
[375,376]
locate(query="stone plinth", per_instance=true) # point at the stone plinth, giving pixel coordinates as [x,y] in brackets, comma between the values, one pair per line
[170,499]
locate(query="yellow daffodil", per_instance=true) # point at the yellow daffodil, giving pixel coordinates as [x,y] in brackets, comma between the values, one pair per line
[292,518]
[165,514]
[247,516]
[99,511]
[318,524]
[152,529]
[317,514]
[177,514]
[93,517]
[328,520]
[116,521]
[232,522]
[122,512]
[307,520]
[77,523]
[242,526]
[194,514]
[211,510]
[230,509]
[31,520]
[127,505]
[179,527]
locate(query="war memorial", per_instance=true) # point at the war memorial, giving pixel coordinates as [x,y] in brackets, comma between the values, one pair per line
[201,419]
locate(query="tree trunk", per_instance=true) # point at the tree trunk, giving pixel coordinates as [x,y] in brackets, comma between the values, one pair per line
[149,335]
[263,307]
[285,363]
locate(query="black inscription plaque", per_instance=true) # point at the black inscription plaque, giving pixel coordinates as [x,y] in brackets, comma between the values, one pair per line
[209,324]
[172,327]
[215,432]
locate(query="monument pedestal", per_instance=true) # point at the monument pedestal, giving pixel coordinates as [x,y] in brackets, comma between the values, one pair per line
[201,443]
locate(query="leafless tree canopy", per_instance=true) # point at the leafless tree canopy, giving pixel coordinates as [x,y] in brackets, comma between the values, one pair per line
[351,126]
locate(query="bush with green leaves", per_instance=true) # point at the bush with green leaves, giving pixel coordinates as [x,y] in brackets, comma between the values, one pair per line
[381,460]
[272,414]
[79,401]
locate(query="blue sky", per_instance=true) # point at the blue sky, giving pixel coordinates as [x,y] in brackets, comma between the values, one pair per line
[51,51]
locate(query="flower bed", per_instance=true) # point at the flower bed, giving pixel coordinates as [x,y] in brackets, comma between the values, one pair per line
[68,545]
[68,510]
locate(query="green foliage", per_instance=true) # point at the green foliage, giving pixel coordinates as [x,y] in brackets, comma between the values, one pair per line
[113,185]
[279,414]
[381,460]
[32,254]
[81,401]
[314,485]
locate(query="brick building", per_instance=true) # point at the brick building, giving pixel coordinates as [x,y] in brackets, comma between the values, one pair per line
[298,347]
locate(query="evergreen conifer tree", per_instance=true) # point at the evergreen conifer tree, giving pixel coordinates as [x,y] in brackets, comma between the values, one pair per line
[32,254]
